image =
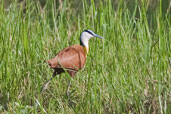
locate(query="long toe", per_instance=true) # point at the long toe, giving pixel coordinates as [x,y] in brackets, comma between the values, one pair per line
[69,84]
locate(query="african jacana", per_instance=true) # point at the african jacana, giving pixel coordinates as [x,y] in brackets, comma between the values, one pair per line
[72,58]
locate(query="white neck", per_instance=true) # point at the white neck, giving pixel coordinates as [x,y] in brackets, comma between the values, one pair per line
[85,42]
[84,38]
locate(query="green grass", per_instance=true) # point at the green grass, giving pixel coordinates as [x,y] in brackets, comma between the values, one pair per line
[127,72]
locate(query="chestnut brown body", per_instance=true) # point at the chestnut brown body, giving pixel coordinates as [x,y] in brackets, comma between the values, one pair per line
[70,59]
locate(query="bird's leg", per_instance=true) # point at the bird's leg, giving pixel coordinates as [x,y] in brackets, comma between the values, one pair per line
[45,86]
[69,84]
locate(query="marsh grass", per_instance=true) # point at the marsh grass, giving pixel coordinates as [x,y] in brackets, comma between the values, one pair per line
[127,72]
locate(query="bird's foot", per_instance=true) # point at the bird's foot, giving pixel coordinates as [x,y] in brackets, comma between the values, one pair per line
[45,86]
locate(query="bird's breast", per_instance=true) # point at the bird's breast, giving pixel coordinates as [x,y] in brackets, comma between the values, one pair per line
[85,50]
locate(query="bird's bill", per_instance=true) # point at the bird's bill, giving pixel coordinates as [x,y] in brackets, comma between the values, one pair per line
[98,36]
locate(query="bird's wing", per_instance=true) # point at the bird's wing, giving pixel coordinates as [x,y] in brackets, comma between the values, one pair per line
[72,57]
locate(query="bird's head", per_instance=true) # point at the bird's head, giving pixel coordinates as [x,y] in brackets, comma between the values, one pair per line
[86,35]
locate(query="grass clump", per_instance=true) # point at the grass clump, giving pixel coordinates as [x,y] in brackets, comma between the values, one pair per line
[128,72]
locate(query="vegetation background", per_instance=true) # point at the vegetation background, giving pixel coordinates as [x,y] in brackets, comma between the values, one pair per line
[128,72]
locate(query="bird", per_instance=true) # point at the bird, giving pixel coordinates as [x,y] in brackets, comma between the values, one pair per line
[73,58]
